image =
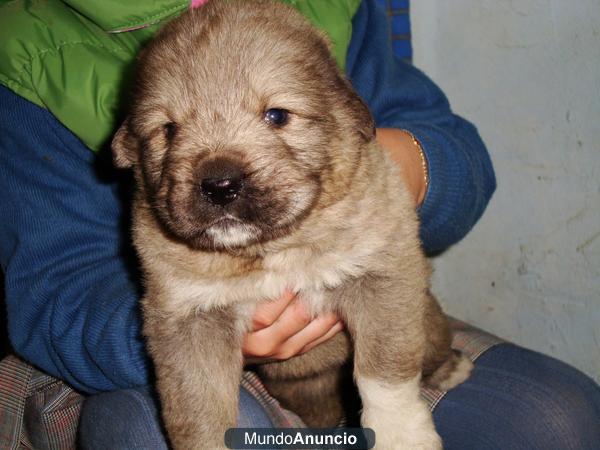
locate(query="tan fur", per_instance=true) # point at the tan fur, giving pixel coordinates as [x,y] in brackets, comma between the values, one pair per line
[323,211]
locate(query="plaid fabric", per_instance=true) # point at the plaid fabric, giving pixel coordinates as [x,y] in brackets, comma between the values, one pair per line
[39,412]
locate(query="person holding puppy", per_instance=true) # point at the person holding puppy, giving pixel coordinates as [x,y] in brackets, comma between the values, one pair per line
[72,288]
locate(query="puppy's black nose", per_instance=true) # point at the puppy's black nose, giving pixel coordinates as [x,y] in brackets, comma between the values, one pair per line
[221,180]
[221,191]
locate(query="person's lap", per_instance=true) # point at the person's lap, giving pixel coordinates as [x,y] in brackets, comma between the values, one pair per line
[515,399]
[519,399]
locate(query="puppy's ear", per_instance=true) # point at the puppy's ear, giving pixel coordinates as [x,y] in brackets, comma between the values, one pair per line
[358,111]
[363,118]
[124,147]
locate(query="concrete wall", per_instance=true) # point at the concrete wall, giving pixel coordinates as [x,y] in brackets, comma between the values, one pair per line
[527,73]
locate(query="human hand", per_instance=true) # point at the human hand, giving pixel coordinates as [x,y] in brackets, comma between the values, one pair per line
[283,328]
[405,153]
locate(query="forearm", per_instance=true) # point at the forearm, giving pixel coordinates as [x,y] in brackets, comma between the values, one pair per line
[407,154]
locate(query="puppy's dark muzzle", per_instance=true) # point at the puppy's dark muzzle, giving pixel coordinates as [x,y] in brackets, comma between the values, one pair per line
[221,181]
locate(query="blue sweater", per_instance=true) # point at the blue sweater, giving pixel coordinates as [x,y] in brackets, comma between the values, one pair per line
[71,285]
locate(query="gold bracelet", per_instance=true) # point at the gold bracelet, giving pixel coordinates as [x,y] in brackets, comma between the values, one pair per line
[423,159]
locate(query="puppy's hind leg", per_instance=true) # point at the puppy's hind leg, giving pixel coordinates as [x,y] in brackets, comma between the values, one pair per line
[443,368]
[317,399]
[317,385]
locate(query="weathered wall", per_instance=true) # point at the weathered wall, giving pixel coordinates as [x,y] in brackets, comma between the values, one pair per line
[527,73]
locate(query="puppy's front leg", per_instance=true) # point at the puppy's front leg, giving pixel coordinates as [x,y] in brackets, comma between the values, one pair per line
[198,363]
[389,342]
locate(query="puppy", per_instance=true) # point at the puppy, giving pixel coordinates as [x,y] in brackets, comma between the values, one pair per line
[257,170]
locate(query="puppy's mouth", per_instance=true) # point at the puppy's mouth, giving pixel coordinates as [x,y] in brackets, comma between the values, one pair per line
[231,232]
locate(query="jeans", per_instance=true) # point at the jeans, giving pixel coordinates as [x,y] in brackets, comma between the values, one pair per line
[519,399]
[514,399]
[129,419]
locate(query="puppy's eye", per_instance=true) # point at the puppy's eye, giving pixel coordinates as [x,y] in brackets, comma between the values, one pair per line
[170,128]
[277,117]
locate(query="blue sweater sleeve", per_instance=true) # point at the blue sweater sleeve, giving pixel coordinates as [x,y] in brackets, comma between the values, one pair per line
[400,96]
[71,297]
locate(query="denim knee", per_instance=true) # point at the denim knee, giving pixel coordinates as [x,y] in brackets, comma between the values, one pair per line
[130,419]
[124,419]
[520,399]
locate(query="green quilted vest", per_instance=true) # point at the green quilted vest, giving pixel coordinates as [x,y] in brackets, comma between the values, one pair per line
[74,57]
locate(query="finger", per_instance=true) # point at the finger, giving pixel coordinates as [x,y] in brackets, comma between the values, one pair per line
[268,312]
[315,330]
[335,329]
[266,342]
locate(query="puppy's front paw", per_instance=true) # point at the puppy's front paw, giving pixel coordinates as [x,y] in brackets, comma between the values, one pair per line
[400,418]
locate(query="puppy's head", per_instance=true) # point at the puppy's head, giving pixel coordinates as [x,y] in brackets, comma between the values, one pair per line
[240,124]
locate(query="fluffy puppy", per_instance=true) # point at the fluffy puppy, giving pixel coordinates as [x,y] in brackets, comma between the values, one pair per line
[257,170]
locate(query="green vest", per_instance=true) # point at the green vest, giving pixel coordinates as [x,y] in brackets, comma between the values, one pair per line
[75,57]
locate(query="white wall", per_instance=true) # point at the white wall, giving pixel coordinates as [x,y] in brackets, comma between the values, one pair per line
[527,73]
